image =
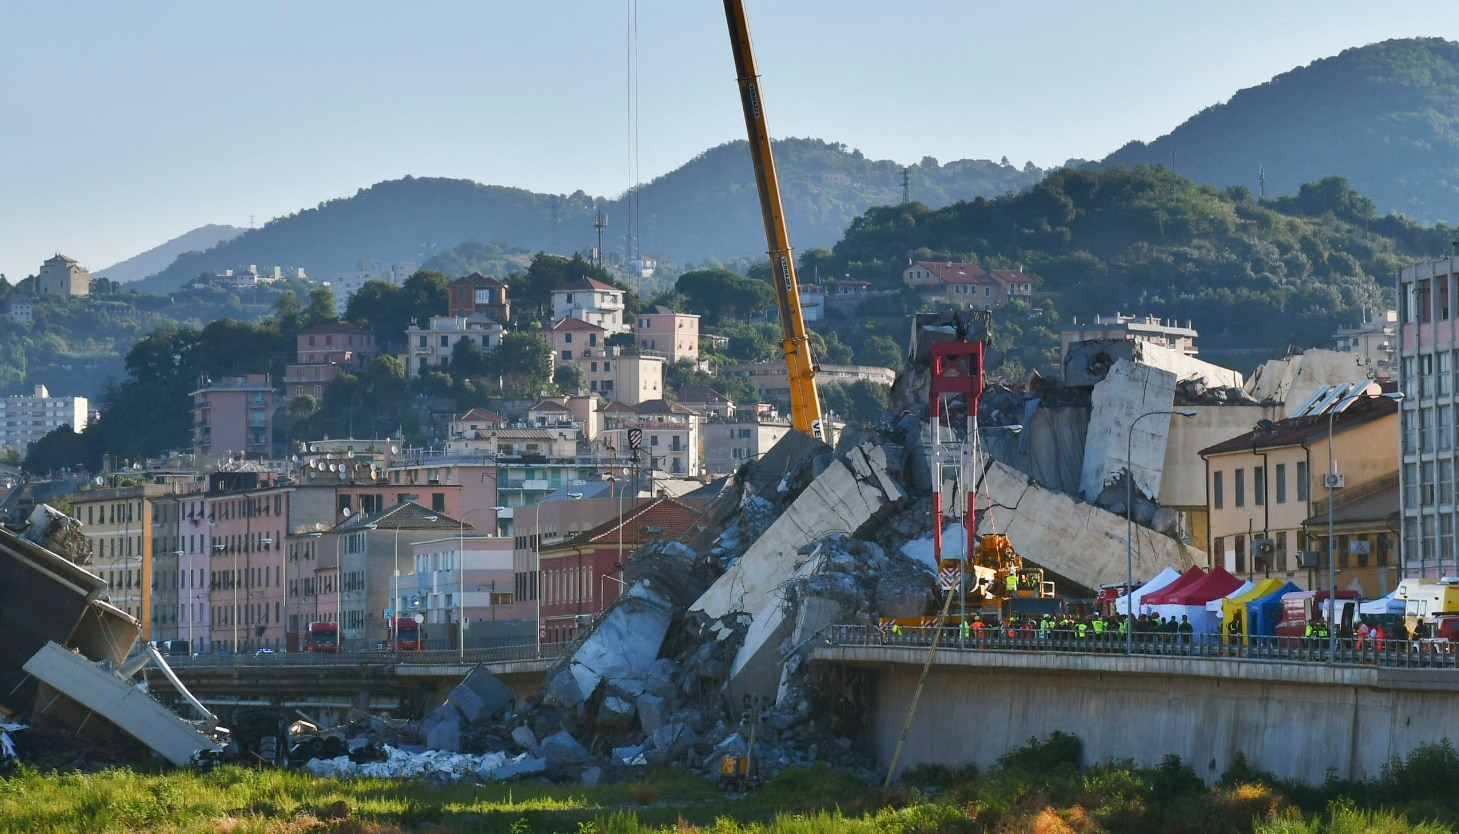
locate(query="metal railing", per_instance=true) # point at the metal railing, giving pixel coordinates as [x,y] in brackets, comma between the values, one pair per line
[471,657]
[1350,651]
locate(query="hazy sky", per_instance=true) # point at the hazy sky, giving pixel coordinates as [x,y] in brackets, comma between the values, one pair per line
[128,123]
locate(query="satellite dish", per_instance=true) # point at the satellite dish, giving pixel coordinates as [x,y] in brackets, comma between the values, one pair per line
[99,481]
[346,512]
[394,450]
[419,618]
[314,474]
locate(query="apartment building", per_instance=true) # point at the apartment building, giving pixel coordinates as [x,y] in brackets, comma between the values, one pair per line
[591,301]
[431,346]
[234,416]
[26,419]
[661,331]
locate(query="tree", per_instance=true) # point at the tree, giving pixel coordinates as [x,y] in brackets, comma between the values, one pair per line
[523,362]
[569,379]
[321,309]
[717,294]
[858,401]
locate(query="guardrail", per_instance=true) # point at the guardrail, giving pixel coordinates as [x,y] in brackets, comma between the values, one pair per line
[1350,651]
[471,657]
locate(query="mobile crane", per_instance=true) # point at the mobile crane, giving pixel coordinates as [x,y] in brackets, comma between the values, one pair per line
[805,402]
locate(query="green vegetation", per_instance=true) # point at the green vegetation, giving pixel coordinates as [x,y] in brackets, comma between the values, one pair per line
[1041,787]
[1385,116]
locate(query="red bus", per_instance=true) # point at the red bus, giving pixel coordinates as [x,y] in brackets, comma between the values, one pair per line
[322,637]
[406,634]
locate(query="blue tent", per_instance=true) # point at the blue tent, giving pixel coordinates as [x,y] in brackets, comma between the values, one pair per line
[1263,614]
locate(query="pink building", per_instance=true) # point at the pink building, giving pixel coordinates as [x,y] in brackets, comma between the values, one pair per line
[234,416]
[322,352]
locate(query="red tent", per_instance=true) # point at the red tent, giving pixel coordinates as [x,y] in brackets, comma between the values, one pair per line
[1214,585]
[1186,579]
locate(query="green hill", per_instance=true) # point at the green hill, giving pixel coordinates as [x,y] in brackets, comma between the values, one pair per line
[707,209]
[1384,116]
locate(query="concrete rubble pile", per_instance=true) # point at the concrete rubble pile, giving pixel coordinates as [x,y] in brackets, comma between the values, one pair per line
[67,660]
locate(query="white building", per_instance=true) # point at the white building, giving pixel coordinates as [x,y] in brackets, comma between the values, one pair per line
[668,434]
[24,420]
[729,445]
[63,276]
[591,301]
[431,346]
[346,285]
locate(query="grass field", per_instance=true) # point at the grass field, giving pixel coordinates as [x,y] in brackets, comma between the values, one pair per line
[1040,789]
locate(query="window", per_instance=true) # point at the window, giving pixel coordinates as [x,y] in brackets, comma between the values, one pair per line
[1239,485]
[592,340]
[1301,480]
[567,354]
[1281,474]
[445,341]
[1258,485]
[1281,547]
[567,338]
[422,341]
[1218,491]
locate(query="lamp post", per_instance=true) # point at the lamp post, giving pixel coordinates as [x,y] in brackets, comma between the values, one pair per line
[1130,523]
[263,544]
[1330,481]
[602,597]
[218,548]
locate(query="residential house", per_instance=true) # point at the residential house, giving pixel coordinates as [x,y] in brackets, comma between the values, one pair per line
[967,284]
[571,338]
[322,352]
[728,445]
[1376,340]
[707,401]
[477,293]
[592,301]
[1267,493]
[668,333]
[234,416]
[667,434]
[619,374]
[431,346]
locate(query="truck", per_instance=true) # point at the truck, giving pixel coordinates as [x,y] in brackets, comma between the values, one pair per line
[1301,607]
[1425,600]
[322,637]
[406,634]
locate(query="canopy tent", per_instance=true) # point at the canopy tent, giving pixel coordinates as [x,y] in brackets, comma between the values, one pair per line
[1388,605]
[1234,606]
[1263,613]
[1191,575]
[1190,601]
[1215,605]
[1161,580]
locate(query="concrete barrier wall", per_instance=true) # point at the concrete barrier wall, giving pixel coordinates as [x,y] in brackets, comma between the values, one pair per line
[1297,721]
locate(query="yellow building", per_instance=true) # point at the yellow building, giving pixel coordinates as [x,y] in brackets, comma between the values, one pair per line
[119,524]
[1267,493]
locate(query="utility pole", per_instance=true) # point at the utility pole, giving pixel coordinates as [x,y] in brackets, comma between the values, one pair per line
[601,224]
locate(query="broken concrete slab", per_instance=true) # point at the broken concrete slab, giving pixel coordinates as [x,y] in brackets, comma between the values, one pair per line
[523,735]
[481,695]
[1078,541]
[562,747]
[851,496]
[756,669]
[651,712]
[624,644]
[90,689]
[1088,362]
[1127,393]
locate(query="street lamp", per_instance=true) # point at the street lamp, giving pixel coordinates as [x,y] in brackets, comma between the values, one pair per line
[602,597]
[1130,524]
[395,591]
[1330,481]
[218,548]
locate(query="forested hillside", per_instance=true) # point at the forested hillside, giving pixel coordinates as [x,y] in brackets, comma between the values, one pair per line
[1385,116]
[1253,276]
[707,209]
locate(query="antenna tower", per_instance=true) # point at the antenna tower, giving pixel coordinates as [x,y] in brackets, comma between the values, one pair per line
[906,186]
[600,222]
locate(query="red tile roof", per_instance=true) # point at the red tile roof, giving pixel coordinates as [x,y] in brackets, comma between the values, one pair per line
[669,518]
[571,324]
[586,283]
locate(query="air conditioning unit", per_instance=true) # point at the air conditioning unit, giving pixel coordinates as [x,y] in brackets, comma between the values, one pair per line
[1308,559]
[1334,480]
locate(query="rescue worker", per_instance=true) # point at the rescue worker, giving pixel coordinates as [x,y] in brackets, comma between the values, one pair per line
[897,631]
[1012,584]
[964,630]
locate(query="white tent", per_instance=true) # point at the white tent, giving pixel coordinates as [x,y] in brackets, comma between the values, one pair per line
[1163,578]
[1382,605]
[1214,606]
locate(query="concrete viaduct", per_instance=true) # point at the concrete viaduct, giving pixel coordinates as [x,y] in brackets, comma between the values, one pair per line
[1293,715]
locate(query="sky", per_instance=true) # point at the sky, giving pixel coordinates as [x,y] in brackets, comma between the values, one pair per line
[123,125]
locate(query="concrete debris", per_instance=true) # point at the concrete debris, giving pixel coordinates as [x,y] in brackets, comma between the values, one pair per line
[433,765]
[59,533]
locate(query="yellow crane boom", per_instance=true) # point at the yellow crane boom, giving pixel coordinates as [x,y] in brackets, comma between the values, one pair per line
[805,403]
